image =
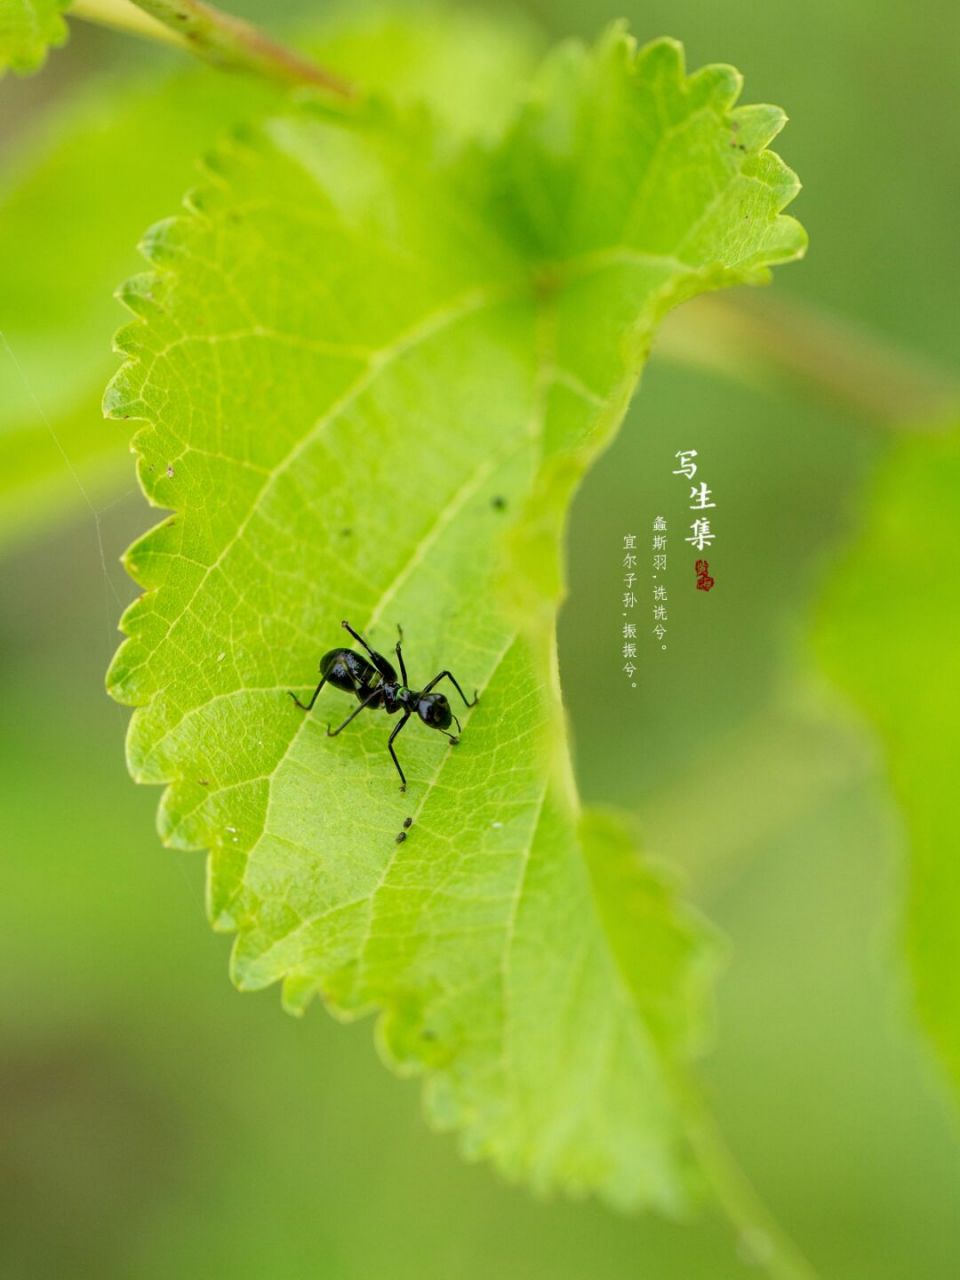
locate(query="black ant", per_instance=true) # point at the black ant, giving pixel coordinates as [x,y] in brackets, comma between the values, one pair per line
[376,685]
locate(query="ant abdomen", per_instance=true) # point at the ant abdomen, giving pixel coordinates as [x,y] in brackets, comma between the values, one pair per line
[347,670]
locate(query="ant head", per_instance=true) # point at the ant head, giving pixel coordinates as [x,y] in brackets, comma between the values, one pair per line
[434,710]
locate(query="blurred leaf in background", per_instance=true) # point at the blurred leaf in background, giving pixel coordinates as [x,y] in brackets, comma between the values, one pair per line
[889,632]
[27,29]
[85,187]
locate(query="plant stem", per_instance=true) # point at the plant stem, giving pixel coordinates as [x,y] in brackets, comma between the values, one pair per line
[121,15]
[762,1242]
[220,38]
[760,340]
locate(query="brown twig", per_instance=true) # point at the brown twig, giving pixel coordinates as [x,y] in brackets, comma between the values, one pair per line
[762,339]
[219,38]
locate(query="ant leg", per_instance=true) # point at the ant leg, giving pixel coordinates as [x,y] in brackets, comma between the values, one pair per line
[454,737]
[309,705]
[403,781]
[379,661]
[452,679]
[358,637]
[399,653]
[332,733]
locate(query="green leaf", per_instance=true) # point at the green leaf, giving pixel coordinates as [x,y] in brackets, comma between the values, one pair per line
[27,29]
[57,315]
[888,634]
[375,364]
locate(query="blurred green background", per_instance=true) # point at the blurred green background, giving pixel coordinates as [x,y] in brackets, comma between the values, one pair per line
[154,1122]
